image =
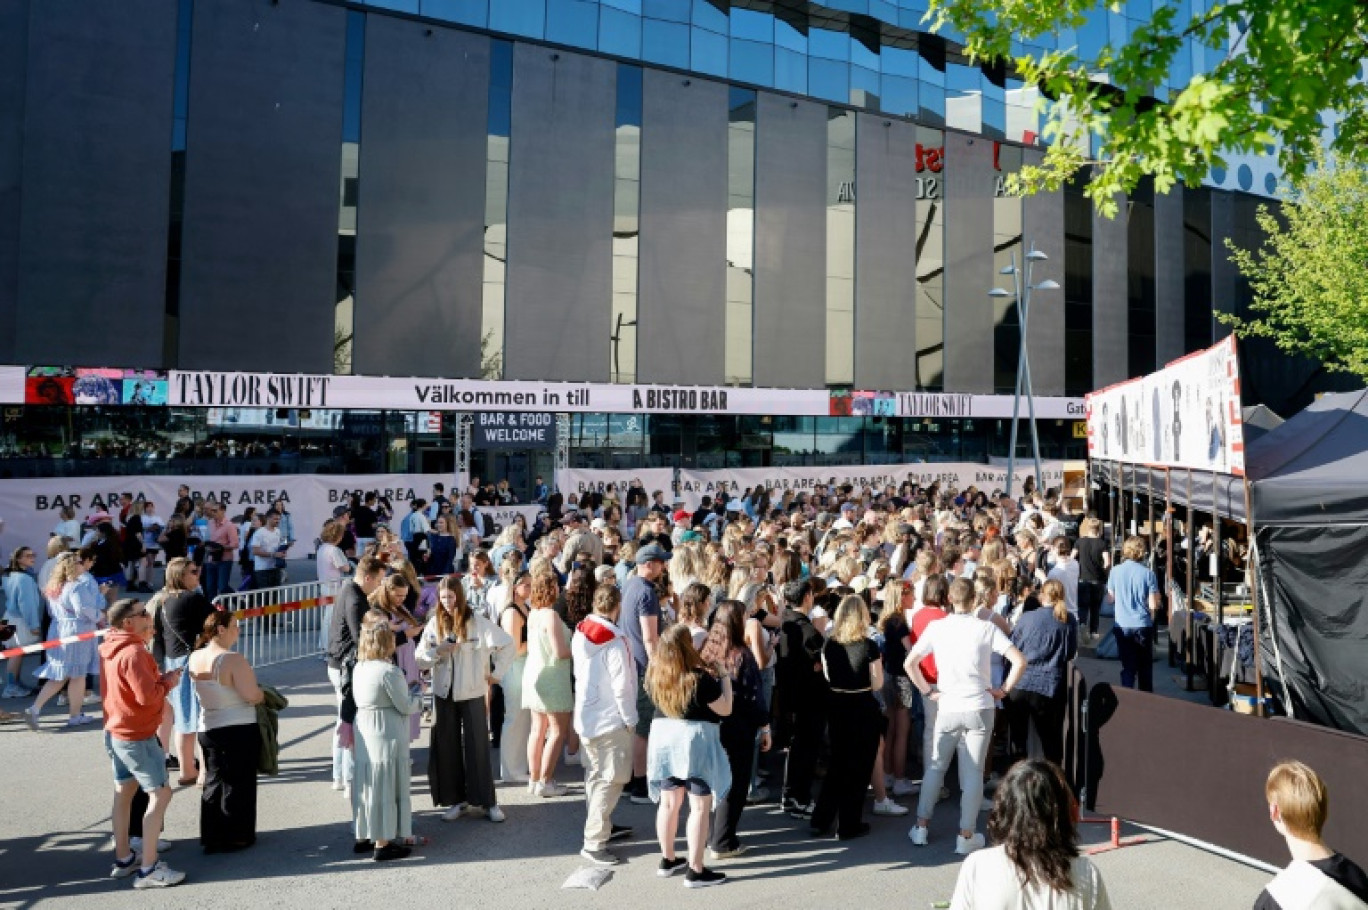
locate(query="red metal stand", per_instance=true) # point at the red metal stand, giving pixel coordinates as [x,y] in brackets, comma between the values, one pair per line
[1117,841]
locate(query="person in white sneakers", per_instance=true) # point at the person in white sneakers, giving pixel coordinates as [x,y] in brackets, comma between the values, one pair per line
[963,646]
[134,699]
[605,717]
[1318,878]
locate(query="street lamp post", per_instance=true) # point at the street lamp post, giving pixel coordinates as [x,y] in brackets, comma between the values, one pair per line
[1021,294]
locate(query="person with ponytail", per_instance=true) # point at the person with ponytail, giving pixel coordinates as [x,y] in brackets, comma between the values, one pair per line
[1049,639]
[466,653]
[229,737]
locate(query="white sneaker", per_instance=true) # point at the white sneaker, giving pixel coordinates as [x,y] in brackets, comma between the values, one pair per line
[888,807]
[966,845]
[495,814]
[163,846]
[161,876]
[550,789]
[918,835]
[455,812]
[534,787]
[903,787]
[91,698]
[16,691]
[338,786]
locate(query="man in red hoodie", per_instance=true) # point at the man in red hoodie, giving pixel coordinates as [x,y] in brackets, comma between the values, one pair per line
[134,699]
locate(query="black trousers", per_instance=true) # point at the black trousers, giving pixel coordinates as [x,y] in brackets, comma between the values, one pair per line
[1048,714]
[856,725]
[459,764]
[803,730]
[228,805]
[1090,597]
[496,715]
[738,741]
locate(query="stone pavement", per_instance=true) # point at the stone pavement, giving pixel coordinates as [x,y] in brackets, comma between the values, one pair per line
[54,837]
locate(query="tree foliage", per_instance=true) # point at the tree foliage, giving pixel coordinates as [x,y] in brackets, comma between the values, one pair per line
[1286,62]
[1310,278]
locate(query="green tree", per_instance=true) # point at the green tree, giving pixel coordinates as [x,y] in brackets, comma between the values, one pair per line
[1310,278]
[1286,62]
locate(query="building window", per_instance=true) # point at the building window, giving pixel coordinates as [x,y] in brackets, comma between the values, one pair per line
[930,262]
[1142,327]
[1078,289]
[740,314]
[1007,250]
[496,209]
[1196,268]
[180,117]
[349,191]
[626,223]
[840,243]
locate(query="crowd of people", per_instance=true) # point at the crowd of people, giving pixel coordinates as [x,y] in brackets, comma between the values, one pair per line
[807,650]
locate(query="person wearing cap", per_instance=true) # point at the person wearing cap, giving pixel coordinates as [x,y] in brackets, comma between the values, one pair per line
[640,624]
[586,540]
[846,521]
[683,521]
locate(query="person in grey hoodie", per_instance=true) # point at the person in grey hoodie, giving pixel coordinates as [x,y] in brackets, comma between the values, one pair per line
[605,717]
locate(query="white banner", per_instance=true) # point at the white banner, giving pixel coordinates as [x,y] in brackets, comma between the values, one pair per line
[732,483]
[582,480]
[281,390]
[1186,415]
[31,508]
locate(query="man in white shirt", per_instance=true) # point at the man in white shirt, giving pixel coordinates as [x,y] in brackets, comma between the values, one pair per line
[265,543]
[1065,571]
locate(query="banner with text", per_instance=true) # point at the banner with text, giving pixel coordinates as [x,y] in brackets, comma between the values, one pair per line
[1186,415]
[32,508]
[513,430]
[578,481]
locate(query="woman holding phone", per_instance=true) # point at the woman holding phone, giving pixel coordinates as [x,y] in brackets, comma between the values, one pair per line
[466,653]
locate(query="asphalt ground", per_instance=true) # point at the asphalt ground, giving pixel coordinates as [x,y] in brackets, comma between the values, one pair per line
[56,786]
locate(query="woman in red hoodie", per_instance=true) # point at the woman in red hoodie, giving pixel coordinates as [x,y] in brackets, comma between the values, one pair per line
[134,699]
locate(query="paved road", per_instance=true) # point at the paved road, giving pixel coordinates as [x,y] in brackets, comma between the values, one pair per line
[54,833]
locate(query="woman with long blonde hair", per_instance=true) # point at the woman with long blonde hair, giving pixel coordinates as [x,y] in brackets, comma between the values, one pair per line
[546,686]
[388,598]
[75,602]
[899,696]
[465,652]
[1048,637]
[684,752]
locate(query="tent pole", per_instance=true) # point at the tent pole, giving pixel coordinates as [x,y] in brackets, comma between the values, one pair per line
[1253,574]
[1111,504]
[1191,595]
[1216,583]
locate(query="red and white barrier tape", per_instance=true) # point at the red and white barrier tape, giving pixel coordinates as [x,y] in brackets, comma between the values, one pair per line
[271,610]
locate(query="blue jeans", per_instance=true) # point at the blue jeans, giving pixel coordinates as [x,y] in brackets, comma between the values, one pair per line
[215,578]
[1136,649]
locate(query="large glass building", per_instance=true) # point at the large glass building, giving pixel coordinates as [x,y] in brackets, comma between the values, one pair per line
[695,192]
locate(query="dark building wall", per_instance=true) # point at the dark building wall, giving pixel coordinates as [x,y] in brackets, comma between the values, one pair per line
[1110,298]
[420,230]
[13,79]
[969,186]
[263,166]
[1043,227]
[560,216]
[885,253]
[790,243]
[96,172]
[1169,276]
[683,242]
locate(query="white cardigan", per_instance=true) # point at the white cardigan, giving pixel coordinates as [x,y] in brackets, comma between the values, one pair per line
[460,675]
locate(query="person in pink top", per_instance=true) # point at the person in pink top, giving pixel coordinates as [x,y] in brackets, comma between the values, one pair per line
[220,552]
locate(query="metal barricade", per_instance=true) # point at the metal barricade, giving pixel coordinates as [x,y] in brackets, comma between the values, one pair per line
[280,624]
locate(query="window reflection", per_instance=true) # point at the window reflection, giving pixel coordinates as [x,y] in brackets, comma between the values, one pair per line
[740,312]
[344,309]
[1006,245]
[573,22]
[930,266]
[518,17]
[626,223]
[1078,300]
[1142,327]
[1197,268]
[840,258]
[496,209]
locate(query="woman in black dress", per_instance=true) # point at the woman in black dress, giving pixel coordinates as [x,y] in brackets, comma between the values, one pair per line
[852,666]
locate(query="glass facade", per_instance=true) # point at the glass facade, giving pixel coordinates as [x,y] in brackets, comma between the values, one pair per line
[344,311]
[626,223]
[1007,251]
[930,251]
[840,240]
[1141,324]
[1078,290]
[499,134]
[1197,268]
[739,321]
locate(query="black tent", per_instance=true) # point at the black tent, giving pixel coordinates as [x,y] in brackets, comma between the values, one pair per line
[1309,488]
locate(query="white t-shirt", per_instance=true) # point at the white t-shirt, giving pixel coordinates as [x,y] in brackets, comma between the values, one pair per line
[71,529]
[268,540]
[1066,572]
[332,565]
[963,646]
[989,881]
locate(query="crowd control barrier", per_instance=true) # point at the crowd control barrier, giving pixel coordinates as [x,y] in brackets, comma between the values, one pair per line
[282,623]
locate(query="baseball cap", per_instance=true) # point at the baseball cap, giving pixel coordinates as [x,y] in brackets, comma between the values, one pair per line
[603,573]
[599,524]
[847,507]
[682,515]
[652,552]
[736,505]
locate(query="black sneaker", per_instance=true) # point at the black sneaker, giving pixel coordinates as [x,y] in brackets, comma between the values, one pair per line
[391,851]
[638,792]
[859,831]
[172,763]
[669,867]
[363,846]
[620,832]
[600,857]
[703,879]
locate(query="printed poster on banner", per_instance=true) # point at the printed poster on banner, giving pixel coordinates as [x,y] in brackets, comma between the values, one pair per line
[578,481]
[1186,415]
